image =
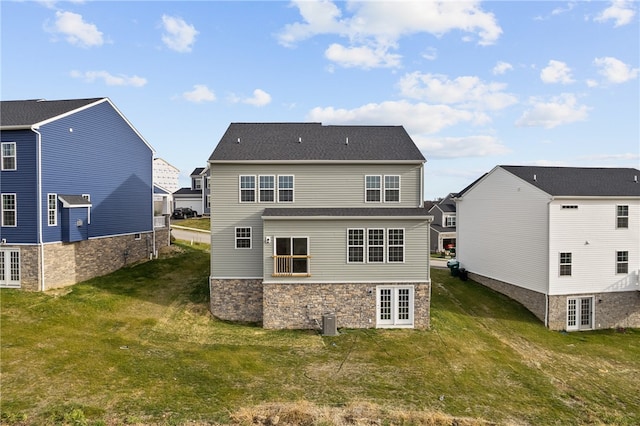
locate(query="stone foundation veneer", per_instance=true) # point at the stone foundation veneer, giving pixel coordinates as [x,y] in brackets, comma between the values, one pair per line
[611,310]
[66,264]
[301,305]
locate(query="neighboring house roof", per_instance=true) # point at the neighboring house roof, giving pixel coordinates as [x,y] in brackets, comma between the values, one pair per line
[157,189]
[580,181]
[165,162]
[416,212]
[188,191]
[315,142]
[575,181]
[197,171]
[23,114]
[442,229]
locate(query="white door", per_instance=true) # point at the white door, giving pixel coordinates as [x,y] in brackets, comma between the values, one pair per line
[10,268]
[580,313]
[394,306]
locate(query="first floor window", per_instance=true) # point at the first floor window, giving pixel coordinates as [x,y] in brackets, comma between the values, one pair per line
[247,189]
[395,241]
[373,188]
[267,189]
[9,211]
[8,154]
[579,313]
[622,217]
[355,244]
[52,209]
[450,221]
[291,256]
[391,189]
[285,189]
[622,262]
[565,264]
[243,238]
[9,268]
[376,246]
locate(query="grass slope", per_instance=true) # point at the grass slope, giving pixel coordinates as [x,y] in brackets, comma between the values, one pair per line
[139,347]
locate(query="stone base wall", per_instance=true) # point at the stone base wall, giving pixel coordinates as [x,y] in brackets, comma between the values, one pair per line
[236,299]
[611,310]
[532,300]
[69,263]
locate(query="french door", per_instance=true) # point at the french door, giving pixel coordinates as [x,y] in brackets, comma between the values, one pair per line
[394,306]
[580,313]
[10,268]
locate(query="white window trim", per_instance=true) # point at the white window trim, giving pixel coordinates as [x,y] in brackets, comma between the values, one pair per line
[384,188]
[620,216]
[618,262]
[388,242]
[384,245]
[447,220]
[292,189]
[560,264]
[240,189]
[236,238]
[272,189]
[6,265]
[394,322]
[53,210]
[15,203]
[14,156]
[364,246]
[88,198]
[379,189]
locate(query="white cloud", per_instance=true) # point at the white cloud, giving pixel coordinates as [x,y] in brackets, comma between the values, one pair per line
[110,79]
[502,67]
[563,109]
[450,147]
[199,94]
[417,118]
[76,31]
[380,25]
[465,91]
[362,57]
[260,98]
[556,72]
[179,35]
[614,70]
[620,11]
[612,157]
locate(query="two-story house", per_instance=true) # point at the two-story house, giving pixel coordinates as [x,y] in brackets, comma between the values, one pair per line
[563,241]
[76,193]
[443,227]
[309,219]
[197,197]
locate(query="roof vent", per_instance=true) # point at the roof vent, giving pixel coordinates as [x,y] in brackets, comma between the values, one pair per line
[299,139]
[635,178]
[534,178]
[346,142]
[238,140]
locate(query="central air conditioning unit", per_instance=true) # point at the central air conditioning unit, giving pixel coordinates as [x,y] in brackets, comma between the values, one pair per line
[329,327]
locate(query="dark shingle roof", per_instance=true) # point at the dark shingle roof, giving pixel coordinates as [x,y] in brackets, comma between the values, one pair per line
[188,191]
[30,112]
[197,171]
[74,200]
[580,181]
[346,212]
[313,141]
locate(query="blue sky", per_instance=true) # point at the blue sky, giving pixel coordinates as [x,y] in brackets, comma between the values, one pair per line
[476,84]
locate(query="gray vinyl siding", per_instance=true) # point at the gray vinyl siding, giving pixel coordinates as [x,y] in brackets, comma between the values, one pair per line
[315,185]
[327,241]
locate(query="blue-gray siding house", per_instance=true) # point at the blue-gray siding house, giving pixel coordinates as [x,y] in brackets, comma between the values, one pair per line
[77,192]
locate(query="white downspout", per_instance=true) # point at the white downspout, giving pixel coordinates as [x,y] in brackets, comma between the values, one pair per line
[40,237]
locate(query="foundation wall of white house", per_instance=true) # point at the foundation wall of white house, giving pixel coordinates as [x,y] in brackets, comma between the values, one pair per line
[302,305]
[66,264]
[610,310]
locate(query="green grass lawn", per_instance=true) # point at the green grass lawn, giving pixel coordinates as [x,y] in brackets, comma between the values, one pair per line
[139,347]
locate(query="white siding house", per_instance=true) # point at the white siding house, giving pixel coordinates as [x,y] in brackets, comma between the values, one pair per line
[563,241]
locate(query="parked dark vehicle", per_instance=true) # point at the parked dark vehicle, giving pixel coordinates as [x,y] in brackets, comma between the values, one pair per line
[183,213]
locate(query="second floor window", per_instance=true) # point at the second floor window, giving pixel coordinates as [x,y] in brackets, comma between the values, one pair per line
[285,189]
[8,154]
[247,189]
[9,210]
[565,264]
[373,189]
[391,189]
[622,262]
[267,189]
[622,217]
[52,209]
[450,221]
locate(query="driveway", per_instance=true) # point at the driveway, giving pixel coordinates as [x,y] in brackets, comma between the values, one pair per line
[190,235]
